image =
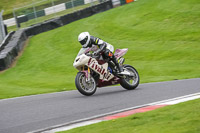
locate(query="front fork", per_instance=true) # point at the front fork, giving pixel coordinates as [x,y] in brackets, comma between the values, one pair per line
[87,74]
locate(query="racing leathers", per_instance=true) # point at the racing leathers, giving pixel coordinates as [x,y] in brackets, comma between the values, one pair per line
[106,49]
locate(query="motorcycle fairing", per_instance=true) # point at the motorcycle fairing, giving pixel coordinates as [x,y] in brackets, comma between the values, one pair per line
[114,81]
[120,52]
[102,70]
[80,61]
[93,64]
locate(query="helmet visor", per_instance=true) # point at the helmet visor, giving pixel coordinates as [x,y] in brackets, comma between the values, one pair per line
[83,42]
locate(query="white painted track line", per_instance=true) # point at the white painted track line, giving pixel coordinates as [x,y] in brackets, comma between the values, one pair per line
[93,121]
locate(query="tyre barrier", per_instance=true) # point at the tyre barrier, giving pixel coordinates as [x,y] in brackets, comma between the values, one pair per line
[16,41]
[12,48]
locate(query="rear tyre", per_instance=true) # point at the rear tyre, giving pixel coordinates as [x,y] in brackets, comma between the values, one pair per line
[130,82]
[86,88]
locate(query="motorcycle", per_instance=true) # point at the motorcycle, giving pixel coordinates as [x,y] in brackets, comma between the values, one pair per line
[95,72]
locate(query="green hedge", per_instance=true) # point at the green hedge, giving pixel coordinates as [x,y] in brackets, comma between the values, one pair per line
[75,3]
[38,14]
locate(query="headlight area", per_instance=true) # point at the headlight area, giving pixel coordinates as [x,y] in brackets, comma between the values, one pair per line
[77,59]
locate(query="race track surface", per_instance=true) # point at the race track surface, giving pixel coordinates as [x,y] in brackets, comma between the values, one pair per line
[31,113]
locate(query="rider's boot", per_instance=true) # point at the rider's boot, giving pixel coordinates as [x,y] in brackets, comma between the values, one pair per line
[121,71]
[120,68]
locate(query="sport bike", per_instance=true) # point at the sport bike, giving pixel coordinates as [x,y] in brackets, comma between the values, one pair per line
[94,71]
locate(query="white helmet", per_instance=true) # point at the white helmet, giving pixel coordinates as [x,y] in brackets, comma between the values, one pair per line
[84,39]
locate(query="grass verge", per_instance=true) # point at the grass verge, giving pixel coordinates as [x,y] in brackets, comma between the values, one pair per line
[51,16]
[180,118]
[26,6]
[162,37]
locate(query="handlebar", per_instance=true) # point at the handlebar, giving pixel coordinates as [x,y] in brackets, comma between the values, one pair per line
[92,55]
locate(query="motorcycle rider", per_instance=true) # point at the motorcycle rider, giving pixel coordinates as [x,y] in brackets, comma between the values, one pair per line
[105,48]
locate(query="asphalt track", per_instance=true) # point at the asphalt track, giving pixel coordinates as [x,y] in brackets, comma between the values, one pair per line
[31,113]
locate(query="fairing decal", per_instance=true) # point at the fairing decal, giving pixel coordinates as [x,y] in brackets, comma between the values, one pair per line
[102,70]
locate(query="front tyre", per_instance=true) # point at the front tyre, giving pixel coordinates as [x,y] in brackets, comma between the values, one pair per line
[86,88]
[130,82]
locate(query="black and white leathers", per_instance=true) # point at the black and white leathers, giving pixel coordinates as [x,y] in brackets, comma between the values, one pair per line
[106,52]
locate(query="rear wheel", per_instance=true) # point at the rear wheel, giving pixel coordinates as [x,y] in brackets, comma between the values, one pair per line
[86,88]
[130,82]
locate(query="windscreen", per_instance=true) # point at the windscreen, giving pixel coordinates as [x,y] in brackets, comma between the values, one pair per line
[85,50]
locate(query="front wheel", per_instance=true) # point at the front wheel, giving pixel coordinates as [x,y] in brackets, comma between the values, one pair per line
[130,82]
[86,88]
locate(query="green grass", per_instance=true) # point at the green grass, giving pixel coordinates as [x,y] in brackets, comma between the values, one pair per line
[48,17]
[180,118]
[24,6]
[162,36]
[8,5]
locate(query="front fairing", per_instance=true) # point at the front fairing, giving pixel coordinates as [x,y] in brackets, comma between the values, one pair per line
[83,59]
[82,51]
[80,61]
[86,50]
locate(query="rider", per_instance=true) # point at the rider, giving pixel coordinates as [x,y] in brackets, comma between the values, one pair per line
[107,49]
